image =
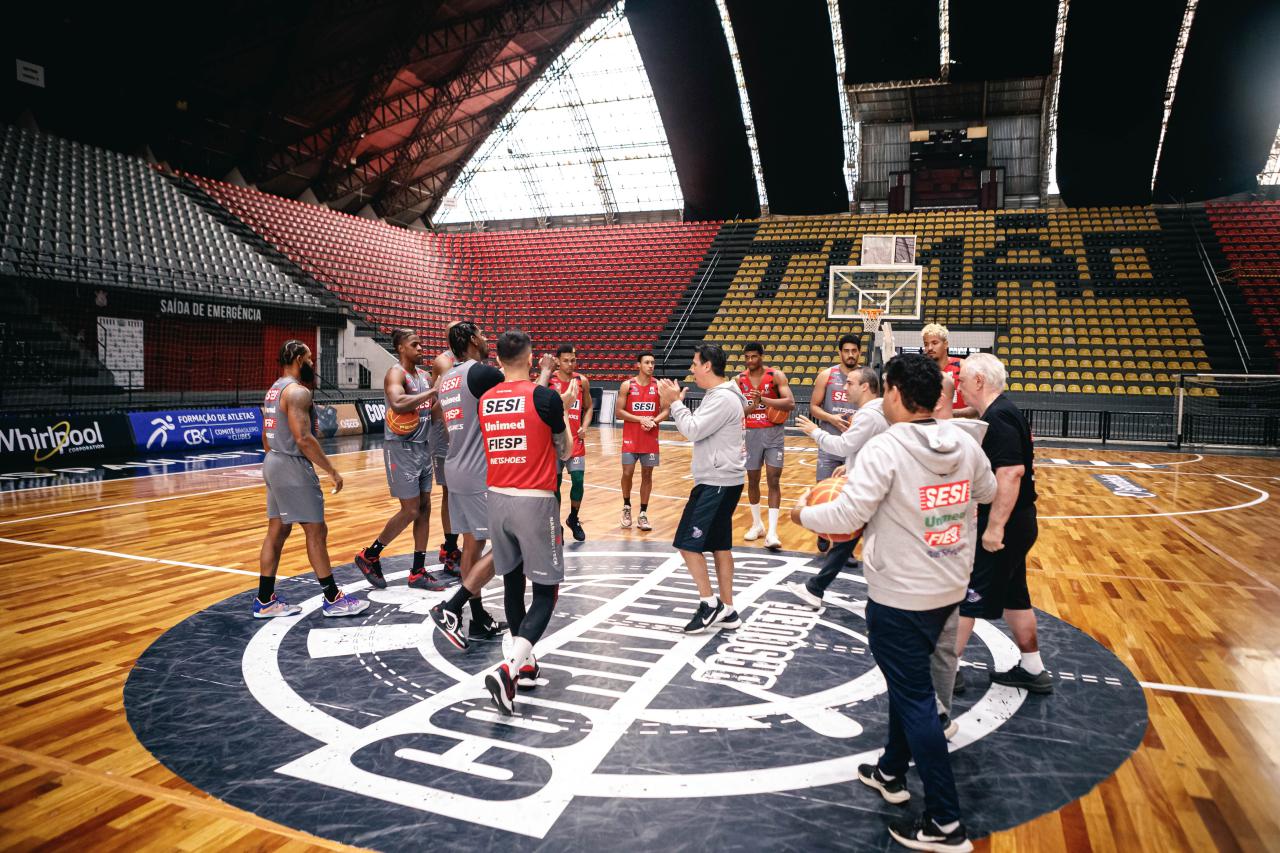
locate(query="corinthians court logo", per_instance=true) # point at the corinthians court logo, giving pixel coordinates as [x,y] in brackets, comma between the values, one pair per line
[376,732]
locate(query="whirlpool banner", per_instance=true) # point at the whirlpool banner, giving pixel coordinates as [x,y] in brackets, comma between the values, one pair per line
[196,428]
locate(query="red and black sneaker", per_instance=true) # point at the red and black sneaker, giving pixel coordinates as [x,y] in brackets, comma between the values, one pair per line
[427,580]
[451,561]
[502,689]
[528,677]
[371,569]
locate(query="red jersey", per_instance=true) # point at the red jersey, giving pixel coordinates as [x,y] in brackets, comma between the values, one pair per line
[758,418]
[642,401]
[953,367]
[518,444]
[573,414]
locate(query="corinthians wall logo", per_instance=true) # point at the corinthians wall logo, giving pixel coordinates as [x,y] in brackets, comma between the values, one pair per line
[376,732]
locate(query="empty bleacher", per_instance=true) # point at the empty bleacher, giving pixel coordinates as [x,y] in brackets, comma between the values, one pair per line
[75,213]
[1249,234]
[607,289]
[1081,300]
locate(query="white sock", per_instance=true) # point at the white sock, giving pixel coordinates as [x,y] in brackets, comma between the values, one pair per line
[521,649]
[949,827]
[1031,663]
[755,515]
[773,520]
[709,600]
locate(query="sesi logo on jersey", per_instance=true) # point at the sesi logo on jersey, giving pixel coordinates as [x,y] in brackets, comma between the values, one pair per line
[643,406]
[840,396]
[501,443]
[451,383]
[947,494]
[502,406]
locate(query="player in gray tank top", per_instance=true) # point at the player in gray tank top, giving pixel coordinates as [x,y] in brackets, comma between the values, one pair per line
[829,404]
[450,553]
[293,489]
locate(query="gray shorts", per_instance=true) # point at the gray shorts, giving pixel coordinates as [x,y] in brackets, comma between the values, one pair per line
[438,463]
[646,460]
[827,464]
[293,489]
[470,514]
[408,465]
[573,463]
[764,446]
[526,528]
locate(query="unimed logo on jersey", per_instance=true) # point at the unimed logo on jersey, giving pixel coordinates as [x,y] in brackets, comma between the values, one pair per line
[502,406]
[947,494]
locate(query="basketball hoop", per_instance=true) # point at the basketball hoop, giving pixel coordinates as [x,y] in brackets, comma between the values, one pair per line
[871,320]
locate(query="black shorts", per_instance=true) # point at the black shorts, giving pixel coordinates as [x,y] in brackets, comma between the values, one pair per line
[999,581]
[707,521]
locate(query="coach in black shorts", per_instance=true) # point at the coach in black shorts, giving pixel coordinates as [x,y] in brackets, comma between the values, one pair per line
[716,430]
[1006,528]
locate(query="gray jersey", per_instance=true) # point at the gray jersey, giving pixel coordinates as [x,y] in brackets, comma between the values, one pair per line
[836,401]
[439,437]
[275,426]
[414,383]
[465,467]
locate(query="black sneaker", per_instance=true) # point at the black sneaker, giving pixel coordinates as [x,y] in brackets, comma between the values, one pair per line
[426,580]
[893,790]
[949,726]
[502,689]
[704,618]
[575,526]
[528,677]
[959,685]
[729,619]
[450,625]
[371,569]
[1019,677]
[485,628]
[922,833]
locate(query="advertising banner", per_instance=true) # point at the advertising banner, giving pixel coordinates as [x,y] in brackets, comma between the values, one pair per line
[341,419]
[373,413]
[61,439]
[196,428]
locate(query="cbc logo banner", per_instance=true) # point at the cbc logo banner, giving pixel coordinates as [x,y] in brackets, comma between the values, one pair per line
[381,730]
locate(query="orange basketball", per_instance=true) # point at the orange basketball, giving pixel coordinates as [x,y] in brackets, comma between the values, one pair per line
[826,491]
[776,415]
[403,423]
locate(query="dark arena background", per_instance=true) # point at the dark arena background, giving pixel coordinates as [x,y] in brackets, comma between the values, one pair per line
[1086,191]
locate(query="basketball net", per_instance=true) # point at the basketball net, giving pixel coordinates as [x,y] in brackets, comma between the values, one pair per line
[871,320]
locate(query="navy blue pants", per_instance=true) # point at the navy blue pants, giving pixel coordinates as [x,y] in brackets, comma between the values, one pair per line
[838,556]
[901,642]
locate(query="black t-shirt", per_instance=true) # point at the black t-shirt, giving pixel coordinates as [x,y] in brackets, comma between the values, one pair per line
[1008,443]
[482,377]
[550,408]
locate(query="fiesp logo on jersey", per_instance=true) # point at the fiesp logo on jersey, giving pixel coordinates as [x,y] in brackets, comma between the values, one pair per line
[947,536]
[947,494]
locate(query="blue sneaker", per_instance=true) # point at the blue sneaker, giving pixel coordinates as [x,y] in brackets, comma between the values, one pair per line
[275,607]
[344,605]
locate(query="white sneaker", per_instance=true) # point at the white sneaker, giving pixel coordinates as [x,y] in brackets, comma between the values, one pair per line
[801,592]
[754,533]
[771,541]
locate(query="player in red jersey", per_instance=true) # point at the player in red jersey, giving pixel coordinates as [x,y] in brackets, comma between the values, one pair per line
[951,404]
[639,411]
[770,400]
[578,413]
[525,437]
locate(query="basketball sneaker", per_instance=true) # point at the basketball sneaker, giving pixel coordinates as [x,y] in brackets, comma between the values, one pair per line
[894,790]
[451,561]
[449,624]
[426,580]
[754,533]
[579,535]
[275,607]
[1019,677]
[626,517]
[502,689]
[643,522]
[344,605]
[704,618]
[371,569]
[486,628]
[771,541]
[922,833]
[528,677]
[729,619]
[949,726]
[801,591]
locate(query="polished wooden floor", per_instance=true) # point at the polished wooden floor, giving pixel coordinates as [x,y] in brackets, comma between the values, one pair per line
[1183,587]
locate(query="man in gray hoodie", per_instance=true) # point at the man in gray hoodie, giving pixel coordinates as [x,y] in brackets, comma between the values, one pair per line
[717,431]
[912,489]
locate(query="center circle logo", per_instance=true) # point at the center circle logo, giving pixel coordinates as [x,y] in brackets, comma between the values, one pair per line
[374,730]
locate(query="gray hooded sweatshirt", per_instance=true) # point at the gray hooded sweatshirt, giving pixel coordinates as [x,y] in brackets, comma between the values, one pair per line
[868,422]
[915,488]
[717,430]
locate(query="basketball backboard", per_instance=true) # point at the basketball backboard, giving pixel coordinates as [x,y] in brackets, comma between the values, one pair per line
[894,289]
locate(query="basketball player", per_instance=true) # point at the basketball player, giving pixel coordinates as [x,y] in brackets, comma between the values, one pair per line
[934,340]
[770,396]
[407,388]
[461,388]
[450,556]
[293,490]
[578,412]
[525,439]
[640,412]
[831,408]
[717,432]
